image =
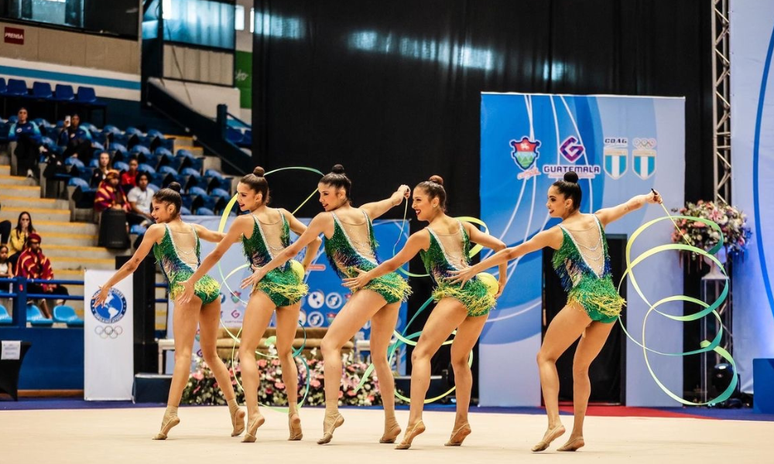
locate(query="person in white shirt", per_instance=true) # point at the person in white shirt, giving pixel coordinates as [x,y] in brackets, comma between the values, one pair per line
[140,200]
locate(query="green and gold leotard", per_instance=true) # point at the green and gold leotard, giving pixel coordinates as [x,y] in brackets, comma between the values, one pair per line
[356,249]
[285,284]
[179,265]
[583,265]
[449,252]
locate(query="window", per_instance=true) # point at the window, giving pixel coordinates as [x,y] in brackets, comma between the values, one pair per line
[239,18]
[206,23]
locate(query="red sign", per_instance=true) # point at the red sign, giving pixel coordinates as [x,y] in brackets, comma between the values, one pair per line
[14,35]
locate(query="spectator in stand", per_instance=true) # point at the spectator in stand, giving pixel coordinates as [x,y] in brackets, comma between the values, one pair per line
[19,236]
[5,231]
[109,194]
[33,264]
[26,134]
[6,269]
[140,201]
[129,178]
[102,169]
[77,139]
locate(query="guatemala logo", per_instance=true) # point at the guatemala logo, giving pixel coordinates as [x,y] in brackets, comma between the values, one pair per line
[644,156]
[571,149]
[113,310]
[525,154]
[616,156]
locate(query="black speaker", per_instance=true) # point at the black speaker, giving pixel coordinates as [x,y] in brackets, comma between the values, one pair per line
[112,230]
[144,295]
[151,388]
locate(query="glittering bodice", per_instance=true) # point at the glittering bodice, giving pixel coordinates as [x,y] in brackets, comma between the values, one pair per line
[447,252]
[583,255]
[351,245]
[266,241]
[180,254]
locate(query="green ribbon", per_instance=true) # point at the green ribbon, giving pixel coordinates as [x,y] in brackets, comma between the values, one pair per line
[705,345]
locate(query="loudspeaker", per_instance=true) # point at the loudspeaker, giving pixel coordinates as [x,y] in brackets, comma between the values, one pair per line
[144,293]
[151,388]
[112,230]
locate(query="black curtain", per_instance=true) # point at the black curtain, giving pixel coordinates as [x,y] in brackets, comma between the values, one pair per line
[392,89]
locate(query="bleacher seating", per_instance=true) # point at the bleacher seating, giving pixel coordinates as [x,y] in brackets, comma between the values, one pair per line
[35,317]
[66,314]
[5,318]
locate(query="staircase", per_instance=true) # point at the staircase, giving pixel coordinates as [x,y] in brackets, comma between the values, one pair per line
[70,246]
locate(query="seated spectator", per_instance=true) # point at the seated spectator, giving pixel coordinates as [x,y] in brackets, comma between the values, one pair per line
[77,139]
[5,231]
[140,201]
[33,264]
[129,178]
[110,195]
[6,269]
[27,136]
[18,237]
[102,169]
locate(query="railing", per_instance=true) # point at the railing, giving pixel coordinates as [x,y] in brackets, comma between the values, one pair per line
[20,296]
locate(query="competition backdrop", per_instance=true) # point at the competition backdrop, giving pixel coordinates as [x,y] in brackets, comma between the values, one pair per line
[620,147]
[326,294]
[752,145]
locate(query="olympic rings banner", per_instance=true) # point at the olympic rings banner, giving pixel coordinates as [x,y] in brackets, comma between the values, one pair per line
[108,340]
[752,145]
[326,294]
[620,147]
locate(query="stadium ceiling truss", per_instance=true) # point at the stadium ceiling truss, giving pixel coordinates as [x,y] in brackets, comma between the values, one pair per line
[721,101]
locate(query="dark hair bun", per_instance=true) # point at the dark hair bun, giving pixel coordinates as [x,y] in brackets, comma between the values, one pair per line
[437,179]
[571,177]
[337,169]
[174,186]
[259,171]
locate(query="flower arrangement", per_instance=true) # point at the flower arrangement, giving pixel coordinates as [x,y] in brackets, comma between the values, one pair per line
[202,388]
[732,222]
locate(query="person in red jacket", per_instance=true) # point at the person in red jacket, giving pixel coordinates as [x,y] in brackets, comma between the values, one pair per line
[33,264]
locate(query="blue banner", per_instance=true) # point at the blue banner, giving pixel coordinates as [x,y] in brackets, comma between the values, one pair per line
[620,147]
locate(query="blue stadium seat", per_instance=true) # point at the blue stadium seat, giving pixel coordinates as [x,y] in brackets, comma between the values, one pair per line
[42,90]
[214,203]
[202,182]
[17,88]
[139,150]
[185,211]
[87,95]
[121,166]
[146,168]
[191,172]
[195,163]
[220,193]
[94,163]
[66,314]
[182,180]
[3,86]
[175,163]
[221,183]
[137,229]
[5,318]
[71,161]
[35,317]
[155,133]
[64,92]
[168,170]
[204,212]
[213,173]
[130,131]
[197,191]
[247,140]
[117,147]
[234,136]
[150,159]
[184,152]
[160,179]
[77,182]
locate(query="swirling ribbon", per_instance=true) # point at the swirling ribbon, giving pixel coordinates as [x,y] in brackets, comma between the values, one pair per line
[708,309]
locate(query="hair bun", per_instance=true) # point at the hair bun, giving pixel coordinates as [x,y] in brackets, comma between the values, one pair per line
[174,186]
[571,176]
[337,169]
[437,179]
[259,171]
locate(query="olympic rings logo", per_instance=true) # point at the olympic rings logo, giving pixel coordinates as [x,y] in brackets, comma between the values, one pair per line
[108,331]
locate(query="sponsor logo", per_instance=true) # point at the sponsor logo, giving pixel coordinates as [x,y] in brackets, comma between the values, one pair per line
[235,314]
[301,317]
[329,317]
[616,156]
[108,331]
[113,310]
[584,171]
[316,267]
[571,149]
[525,154]
[316,319]
[334,300]
[316,299]
[644,157]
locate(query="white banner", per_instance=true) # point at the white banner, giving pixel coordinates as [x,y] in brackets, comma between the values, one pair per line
[752,145]
[108,365]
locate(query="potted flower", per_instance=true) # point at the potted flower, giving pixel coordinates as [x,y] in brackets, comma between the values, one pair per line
[732,222]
